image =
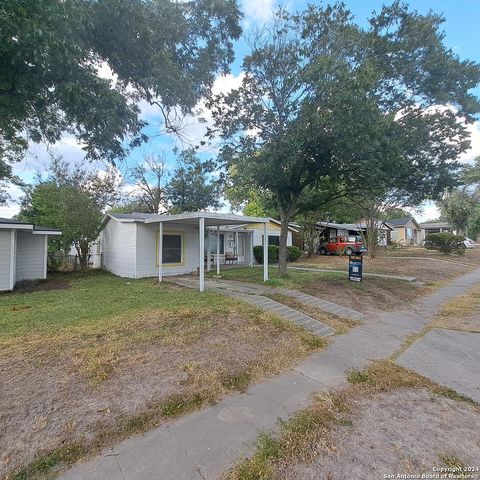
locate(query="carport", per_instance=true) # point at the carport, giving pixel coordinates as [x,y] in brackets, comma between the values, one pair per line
[207,223]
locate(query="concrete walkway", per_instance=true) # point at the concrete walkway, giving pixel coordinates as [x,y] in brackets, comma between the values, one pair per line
[448,357]
[205,443]
[253,289]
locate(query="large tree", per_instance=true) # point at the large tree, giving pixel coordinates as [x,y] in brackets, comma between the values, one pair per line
[52,54]
[192,187]
[324,102]
[73,201]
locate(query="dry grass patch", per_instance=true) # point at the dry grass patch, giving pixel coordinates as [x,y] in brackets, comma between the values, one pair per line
[460,313]
[339,324]
[107,358]
[426,266]
[310,434]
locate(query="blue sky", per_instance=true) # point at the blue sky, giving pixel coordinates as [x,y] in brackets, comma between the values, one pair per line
[462,35]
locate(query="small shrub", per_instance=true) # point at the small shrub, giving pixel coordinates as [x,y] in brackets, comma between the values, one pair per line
[293,253]
[445,242]
[272,253]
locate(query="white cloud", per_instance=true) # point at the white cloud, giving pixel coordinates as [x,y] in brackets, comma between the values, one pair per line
[474,151]
[257,11]
[428,211]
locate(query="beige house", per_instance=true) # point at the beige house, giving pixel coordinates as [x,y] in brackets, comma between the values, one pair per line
[406,231]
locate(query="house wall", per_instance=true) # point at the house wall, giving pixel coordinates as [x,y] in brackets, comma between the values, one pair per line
[118,244]
[6,278]
[147,245]
[31,257]
[258,236]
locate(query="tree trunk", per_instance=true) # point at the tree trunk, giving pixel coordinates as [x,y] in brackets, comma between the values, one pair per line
[282,250]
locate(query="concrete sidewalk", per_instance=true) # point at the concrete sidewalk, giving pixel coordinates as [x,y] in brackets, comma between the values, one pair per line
[205,443]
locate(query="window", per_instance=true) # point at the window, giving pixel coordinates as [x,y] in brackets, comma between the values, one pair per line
[274,240]
[172,248]
[213,245]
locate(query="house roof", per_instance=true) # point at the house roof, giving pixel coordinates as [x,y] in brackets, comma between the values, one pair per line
[20,225]
[401,222]
[341,226]
[435,225]
[211,219]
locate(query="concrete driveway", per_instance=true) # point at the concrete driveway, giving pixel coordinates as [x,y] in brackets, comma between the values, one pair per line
[448,357]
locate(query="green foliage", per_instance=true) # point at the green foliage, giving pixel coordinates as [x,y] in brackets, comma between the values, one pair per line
[445,242]
[272,253]
[53,52]
[191,187]
[302,72]
[73,202]
[293,253]
[457,207]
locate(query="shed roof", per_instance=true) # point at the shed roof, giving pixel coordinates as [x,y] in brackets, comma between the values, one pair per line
[401,222]
[20,225]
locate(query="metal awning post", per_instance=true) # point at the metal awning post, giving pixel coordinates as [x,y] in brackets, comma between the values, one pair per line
[201,252]
[160,251]
[218,249]
[265,252]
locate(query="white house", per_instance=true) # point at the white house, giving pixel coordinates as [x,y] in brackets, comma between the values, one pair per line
[146,245]
[23,252]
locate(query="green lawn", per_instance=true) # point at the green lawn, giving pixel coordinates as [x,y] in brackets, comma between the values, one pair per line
[295,278]
[108,357]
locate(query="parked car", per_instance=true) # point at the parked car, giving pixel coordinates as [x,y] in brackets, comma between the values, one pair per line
[469,243]
[347,245]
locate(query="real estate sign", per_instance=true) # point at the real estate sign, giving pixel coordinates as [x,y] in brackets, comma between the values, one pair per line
[355,268]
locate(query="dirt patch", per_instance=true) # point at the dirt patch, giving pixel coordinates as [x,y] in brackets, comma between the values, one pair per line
[370,296]
[30,286]
[418,263]
[401,432]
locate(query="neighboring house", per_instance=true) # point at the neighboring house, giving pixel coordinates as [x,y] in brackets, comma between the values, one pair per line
[406,231]
[130,244]
[435,227]
[384,230]
[23,252]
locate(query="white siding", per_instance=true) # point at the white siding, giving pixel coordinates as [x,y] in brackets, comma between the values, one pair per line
[30,263]
[258,234]
[118,247]
[147,250]
[5,259]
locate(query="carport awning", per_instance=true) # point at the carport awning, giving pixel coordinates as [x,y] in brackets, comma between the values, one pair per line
[210,219]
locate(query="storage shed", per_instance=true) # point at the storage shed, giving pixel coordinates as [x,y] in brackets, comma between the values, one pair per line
[23,252]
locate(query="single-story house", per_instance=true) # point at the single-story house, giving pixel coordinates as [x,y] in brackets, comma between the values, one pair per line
[406,231]
[140,245]
[384,230]
[435,227]
[23,252]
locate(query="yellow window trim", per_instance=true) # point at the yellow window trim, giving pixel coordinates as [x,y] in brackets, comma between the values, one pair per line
[170,232]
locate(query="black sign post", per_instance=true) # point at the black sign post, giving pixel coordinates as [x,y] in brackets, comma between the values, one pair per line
[355,268]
